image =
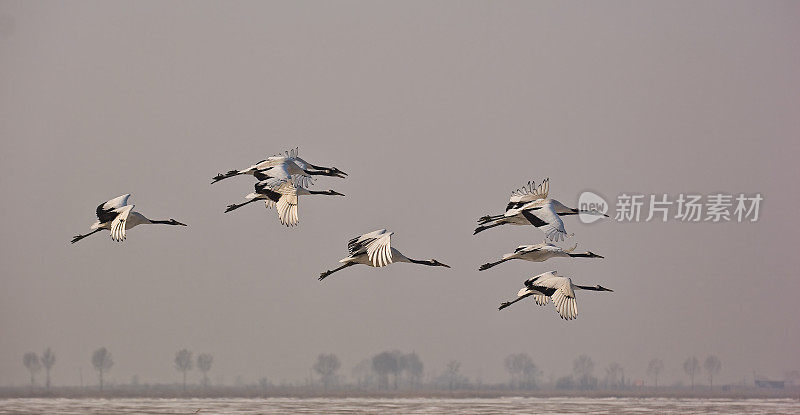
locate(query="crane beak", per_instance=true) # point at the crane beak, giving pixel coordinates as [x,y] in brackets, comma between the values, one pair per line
[335,193]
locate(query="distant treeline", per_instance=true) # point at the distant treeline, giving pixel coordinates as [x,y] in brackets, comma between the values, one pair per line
[391,372]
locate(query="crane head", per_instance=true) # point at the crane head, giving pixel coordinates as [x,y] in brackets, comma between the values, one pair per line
[436,263]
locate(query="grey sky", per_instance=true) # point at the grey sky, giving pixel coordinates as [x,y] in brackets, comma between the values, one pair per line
[437,110]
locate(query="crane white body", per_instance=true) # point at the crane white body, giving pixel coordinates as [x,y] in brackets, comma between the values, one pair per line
[283,197]
[288,166]
[551,286]
[540,253]
[117,216]
[374,249]
[530,205]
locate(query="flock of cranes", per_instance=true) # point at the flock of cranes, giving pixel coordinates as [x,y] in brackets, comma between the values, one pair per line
[282,178]
[530,205]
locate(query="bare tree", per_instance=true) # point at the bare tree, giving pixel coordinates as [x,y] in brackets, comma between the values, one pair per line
[264,384]
[582,368]
[712,365]
[691,366]
[523,371]
[384,364]
[183,363]
[413,367]
[452,376]
[31,362]
[48,360]
[204,361]
[326,367]
[614,375]
[654,369]
[363,373]
[102,362]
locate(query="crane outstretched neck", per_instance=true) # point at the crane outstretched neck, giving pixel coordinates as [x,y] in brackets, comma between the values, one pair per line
[428,262]
[325,192]
[593,288]
[587,254]
[326,171]
[168,222]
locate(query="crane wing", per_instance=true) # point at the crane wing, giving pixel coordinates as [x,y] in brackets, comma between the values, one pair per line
[540,299]
[359,243]
[105,211]
[561,293]
[301,163]
[271,184]
[528,193]
[539,295]
[260,165]
[526,248]
[269,162]
[118,224]
[379,251]
[532,281]
[566,306]
[282,171]
[269,196]
[533,248]
[546,219]
[301,179]
[544,189]
[287,207]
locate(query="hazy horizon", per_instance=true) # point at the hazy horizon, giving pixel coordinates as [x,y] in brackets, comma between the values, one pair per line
[437,111]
